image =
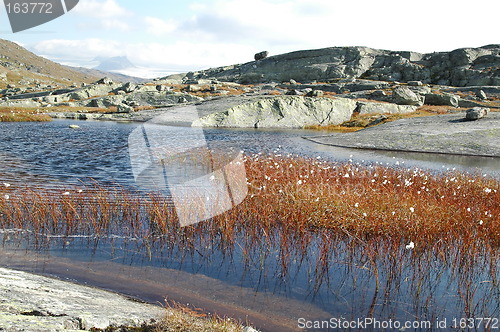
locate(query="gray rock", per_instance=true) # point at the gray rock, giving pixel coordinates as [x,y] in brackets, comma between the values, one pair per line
[384,108]
[194,88]
[378,94]
[161,88]
[421,90]
[476,113]
[481,95]
[251,78]
[415,83]
[23,103]
[464,67]
[261,55]
[34,303]
[282,112]
[436,134]
[123,108]
[105,80]
[92,91]
[445,99]
[315,93]
[294,92]
[293,82]
[404,96]
[129,87]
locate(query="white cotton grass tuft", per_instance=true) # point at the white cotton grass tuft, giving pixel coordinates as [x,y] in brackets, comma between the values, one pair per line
[6,185]
[410,246]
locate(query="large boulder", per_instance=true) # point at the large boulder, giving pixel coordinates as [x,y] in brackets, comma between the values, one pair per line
[129,87]
[476,113]
[445,99]
[92,91]
[261,55]
[404,96]
[384,108]
[282,112]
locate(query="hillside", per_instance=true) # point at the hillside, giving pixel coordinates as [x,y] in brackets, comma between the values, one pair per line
[461,67]
[23,68]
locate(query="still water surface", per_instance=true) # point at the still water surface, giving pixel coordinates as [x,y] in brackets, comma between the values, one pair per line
[247,281]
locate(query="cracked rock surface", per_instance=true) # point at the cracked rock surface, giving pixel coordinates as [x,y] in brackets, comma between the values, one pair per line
[448,134]
[35,303]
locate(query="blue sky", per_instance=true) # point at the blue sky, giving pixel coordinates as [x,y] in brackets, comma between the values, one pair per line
[176,36]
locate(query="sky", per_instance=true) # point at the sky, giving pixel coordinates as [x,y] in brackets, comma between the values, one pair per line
[164,36]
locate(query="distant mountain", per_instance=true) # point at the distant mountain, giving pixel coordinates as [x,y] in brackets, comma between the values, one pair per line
[115,76]
[114,64]
[23,68]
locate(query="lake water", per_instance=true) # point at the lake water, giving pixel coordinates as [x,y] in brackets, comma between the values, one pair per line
[51,155]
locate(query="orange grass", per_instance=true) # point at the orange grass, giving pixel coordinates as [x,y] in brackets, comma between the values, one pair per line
[394,232]
[22,115]
[296,193]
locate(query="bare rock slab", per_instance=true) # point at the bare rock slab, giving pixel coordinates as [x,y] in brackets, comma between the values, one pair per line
[446,134]
[282,112]
[35,303]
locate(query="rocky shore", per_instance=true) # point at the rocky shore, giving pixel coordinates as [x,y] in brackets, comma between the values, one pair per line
[446,134]
[39,304]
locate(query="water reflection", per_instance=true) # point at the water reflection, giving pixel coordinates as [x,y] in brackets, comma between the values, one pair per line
[323,275]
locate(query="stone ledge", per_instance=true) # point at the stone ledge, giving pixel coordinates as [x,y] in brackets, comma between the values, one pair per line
[35,303]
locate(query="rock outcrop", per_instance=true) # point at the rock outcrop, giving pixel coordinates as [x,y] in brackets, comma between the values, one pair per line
[384,108]
[282,112]
[461,67]
[445,134]
[35,303]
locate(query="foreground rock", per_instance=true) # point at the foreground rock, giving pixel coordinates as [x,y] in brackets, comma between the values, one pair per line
[448,134]
[282,112]
[476,113]
[34,303]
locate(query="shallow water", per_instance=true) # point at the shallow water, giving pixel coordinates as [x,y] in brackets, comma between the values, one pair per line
[52,154]
[246,278]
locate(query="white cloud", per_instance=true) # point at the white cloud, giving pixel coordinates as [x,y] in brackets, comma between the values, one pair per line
[77,50]
[101,9]
[286,25]
[176,57]
[159,27]
[103,15]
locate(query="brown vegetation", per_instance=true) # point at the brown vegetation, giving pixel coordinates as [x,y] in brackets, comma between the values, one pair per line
[8,114]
